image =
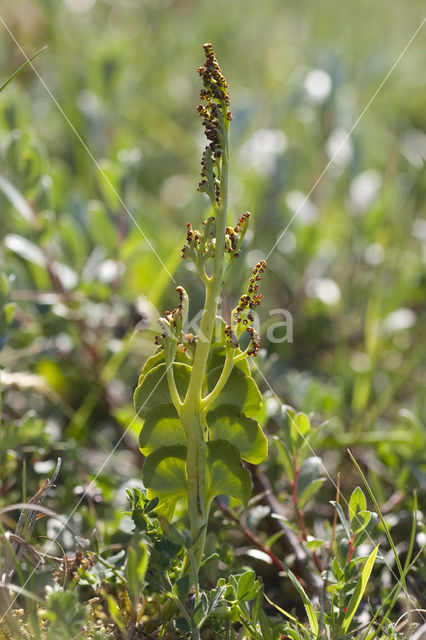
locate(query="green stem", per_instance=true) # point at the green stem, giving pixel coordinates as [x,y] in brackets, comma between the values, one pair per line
[191,411]
[213,291]
[174,393]
[226,372]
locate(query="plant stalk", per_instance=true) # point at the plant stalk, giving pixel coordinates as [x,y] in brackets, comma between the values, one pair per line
[191,412]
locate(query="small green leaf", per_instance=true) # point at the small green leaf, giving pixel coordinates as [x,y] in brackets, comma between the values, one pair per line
[136,566]
[163,554]
[25,249]
[310,491]
[25,158]
[182,625]
[240,390]
[114,610]
[257,606]
[359,589]
[357,502]
[164,475]
[109,178]
[285,458]
[316,543]
[342,517]
[16,199]
[161,428]
[226,422]
[300,426]
[154,389]
[265,626]
[100,226]
[367,530]
[360,521]
[311,472]
[225,475]
[182,587]
[246,583]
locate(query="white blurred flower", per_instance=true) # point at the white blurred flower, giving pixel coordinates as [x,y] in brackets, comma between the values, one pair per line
[317,85]
[325,289]
[286,242]
[79,6]
[176,190]
[413,146]
[398,320]
[254,256]
[339,147]
[374,253]
[364,189]
[261,150]
[360,362]
[301,206]
[110,270]
[419,229]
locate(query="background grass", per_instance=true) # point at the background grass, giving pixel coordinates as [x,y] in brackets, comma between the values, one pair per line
[350,268]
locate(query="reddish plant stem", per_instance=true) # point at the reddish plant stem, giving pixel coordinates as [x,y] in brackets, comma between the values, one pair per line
[293,485]
[351,548]
[249,534]
[299,512]
[288,538]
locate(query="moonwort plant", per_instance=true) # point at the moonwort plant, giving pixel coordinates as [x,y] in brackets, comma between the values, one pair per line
[195,394]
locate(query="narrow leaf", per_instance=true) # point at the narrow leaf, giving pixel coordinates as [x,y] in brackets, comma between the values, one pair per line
[342,517]
[310,491]
[310,611]
[283,611]
[136,566]
[16,199]
[359,589]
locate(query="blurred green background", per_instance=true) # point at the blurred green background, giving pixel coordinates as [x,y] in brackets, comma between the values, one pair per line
[83,282]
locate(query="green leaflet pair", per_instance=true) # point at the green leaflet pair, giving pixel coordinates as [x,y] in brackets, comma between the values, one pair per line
[231,432]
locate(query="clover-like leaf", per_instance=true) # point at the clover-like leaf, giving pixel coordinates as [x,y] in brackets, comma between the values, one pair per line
[158,358]
[217,359]
[240,390]
[154,389]
[225,475]
[226,422]
[161,428]
[164,475]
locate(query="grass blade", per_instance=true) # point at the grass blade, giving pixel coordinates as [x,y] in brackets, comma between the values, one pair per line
[4,85]
[310,611]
